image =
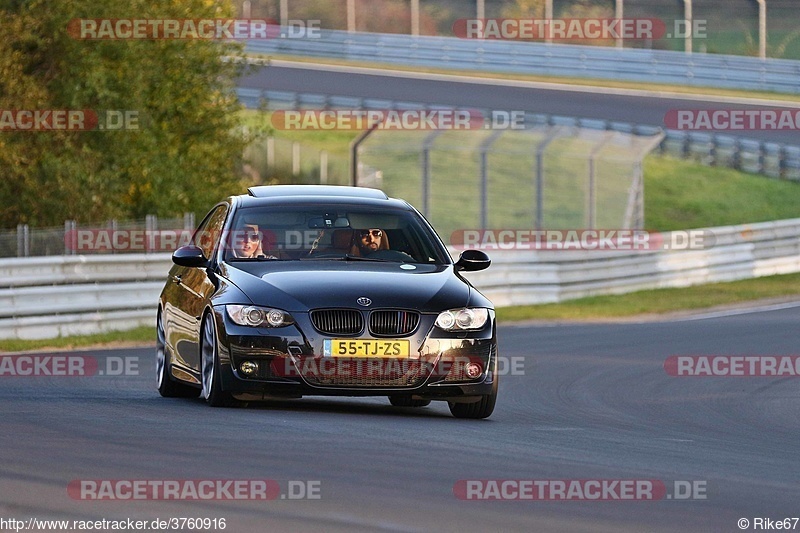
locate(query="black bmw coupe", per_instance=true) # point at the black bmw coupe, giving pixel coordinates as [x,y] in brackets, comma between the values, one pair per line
[320,290]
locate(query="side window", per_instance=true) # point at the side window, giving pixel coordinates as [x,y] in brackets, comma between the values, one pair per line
[209,232]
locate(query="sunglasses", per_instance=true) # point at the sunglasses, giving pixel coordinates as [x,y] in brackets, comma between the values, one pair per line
[373,232]
[254,236]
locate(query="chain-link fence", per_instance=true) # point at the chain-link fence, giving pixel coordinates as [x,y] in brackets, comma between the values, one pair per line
[545,177]
[151,234]
[277,160]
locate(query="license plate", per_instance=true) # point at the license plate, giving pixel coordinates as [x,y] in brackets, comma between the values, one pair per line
[399,349]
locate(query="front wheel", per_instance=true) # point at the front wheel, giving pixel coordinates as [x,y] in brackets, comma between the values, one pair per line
[212,391]
[166,386]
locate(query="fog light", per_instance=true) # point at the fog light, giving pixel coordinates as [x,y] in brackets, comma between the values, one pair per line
[249,368]
[473,370]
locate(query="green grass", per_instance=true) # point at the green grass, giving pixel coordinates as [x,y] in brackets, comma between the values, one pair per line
[658,301]
[682,194]
[336,142]
[140,335]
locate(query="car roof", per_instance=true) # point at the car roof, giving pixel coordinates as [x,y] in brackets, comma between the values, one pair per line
[271,191]
[317,194]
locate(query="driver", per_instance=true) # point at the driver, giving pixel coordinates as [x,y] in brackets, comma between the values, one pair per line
[369,241]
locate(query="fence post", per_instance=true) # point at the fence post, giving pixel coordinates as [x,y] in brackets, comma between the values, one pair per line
[70,237]
[351,16]
[592,196]
[23,240]
[283,6]
[782,166]
[689,19]
[484,192]
[270,152]
[295,158]
[714,151]
[114,225]
[354,145]
[150,227]
[539,174]
[415,17]
[426,170]
[323,167]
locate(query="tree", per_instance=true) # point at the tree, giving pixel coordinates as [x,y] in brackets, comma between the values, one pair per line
[187,151]
[525,9]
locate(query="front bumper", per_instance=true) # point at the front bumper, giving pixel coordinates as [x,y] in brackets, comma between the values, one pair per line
[290,363]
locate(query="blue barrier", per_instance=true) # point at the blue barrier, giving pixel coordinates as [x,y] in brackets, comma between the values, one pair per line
[658,66]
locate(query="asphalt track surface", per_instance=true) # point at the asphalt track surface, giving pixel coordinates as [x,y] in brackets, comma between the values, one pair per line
[585,103]
[590,402]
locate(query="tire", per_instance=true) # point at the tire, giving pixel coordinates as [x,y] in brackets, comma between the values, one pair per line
[399,400]
[480,409]
[168,387]
[212,391]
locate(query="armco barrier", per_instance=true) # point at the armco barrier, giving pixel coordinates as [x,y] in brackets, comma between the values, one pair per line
[575,61]
[45,297]
[739,252]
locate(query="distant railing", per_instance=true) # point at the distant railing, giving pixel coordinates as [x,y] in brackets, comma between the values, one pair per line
[575,61]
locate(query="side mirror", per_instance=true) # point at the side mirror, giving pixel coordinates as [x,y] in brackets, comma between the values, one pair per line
[189,256]
[473,260]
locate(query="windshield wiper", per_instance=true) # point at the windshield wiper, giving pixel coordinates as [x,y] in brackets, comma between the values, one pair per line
[258,258]
[349,257]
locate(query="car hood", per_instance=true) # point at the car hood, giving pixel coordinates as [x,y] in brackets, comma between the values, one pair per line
[299,286]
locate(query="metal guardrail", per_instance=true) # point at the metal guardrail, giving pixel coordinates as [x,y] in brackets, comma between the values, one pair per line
[45,297]
[740,252]
[776,160]
[86,294]
[653,66]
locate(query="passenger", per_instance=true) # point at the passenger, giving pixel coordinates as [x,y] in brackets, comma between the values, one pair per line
[247,242]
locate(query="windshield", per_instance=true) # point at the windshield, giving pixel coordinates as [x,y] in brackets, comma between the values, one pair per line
[333,233]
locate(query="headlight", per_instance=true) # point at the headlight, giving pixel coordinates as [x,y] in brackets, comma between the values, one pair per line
[467,318]
[251,315]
